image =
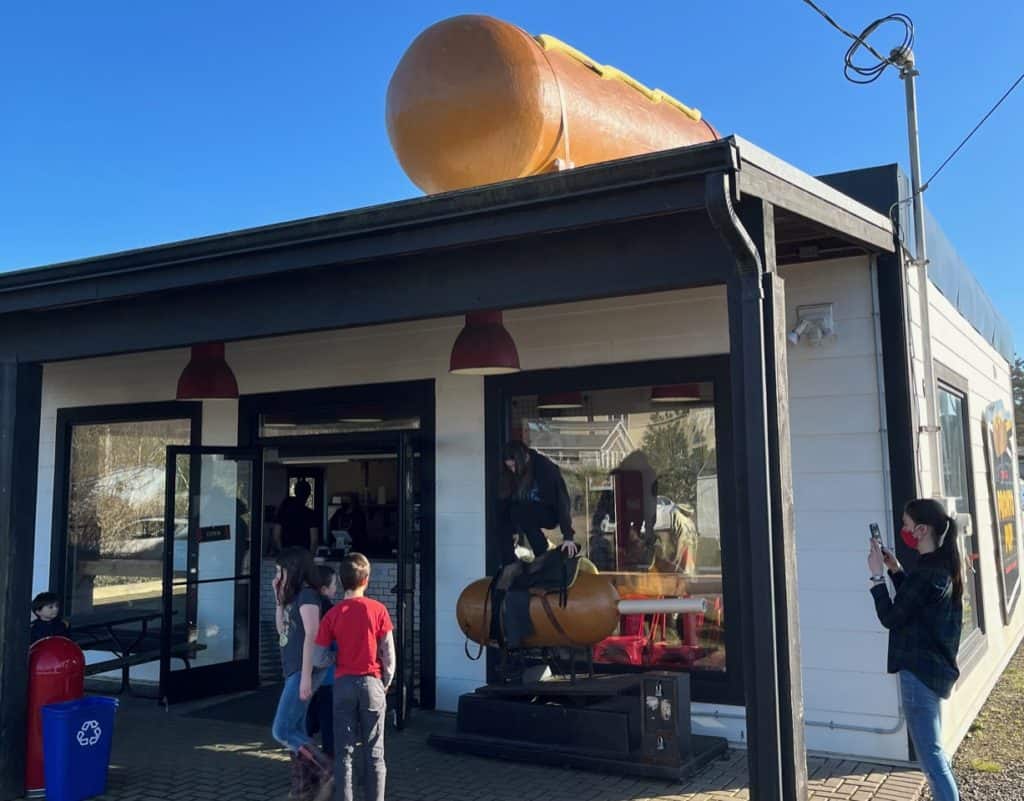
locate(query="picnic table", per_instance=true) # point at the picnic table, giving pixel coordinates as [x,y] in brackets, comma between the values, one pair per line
[124,633]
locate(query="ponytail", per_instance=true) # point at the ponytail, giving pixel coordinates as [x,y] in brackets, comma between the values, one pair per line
[929,512]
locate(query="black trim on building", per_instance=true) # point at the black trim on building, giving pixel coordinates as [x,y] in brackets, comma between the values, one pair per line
[974,645]
[20,396]
[707,686]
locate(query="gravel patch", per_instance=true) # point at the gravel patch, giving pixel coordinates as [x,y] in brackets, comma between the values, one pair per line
[989,765]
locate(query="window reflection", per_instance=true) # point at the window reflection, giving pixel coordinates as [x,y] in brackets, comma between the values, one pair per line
[955,479]
[640,464]
[115,518]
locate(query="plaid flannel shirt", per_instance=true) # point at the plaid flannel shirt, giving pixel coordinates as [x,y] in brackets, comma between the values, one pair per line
[924,623]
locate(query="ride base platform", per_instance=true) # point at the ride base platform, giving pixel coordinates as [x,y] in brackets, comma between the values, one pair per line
[591,724]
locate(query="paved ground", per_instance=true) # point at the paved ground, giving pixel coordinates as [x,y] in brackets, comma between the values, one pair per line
[163,756]
[989,765]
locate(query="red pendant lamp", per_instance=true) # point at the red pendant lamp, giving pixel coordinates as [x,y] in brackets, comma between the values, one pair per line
[676,393]
[207,376]
[484,347]
[558,401]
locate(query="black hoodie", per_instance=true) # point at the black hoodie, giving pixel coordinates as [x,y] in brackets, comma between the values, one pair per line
[548,488]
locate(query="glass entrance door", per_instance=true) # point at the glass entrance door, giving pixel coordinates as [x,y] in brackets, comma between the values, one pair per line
[209,641]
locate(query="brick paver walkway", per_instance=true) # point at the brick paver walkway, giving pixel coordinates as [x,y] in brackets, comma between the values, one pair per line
[160,756]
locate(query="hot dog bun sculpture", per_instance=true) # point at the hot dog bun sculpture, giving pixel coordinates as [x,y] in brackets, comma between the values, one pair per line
[475,100]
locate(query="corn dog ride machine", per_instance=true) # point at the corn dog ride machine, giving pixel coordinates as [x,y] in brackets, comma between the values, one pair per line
[475,101]
[636,723]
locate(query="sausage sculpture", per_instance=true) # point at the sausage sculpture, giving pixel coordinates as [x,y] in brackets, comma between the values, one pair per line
[590,614]
[475,100]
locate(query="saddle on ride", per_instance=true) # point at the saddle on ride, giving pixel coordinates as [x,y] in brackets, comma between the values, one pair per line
[513,588]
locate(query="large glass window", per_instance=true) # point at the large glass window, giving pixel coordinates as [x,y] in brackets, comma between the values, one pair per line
[115,513]
[955,482]
[640,464]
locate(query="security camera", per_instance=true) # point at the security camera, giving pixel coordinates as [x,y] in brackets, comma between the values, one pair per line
[799,331]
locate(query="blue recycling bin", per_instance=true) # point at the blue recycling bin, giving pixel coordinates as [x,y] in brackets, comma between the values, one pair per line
[77,738]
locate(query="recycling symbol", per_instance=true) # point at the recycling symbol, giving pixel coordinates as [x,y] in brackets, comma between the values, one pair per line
[89,734]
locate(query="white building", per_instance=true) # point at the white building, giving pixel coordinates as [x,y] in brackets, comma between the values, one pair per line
[616,281]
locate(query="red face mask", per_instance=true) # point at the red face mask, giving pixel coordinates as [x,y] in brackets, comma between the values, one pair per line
[908,537]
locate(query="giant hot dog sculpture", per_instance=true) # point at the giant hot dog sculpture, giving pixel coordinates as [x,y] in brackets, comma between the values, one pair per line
[590,614]
[475,100]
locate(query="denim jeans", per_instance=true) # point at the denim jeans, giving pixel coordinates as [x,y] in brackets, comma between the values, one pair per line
[289,727]
[321,717]
[360,711]
[921,706]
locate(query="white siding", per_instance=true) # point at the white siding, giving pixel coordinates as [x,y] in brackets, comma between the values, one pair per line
[645,327]
[957,346]
[837,462]
[839,488]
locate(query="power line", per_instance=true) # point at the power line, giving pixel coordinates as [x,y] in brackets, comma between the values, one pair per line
[956,150]
[974,130]
[868,74]
[843,30]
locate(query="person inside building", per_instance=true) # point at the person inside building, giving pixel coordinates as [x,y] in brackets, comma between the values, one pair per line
[924,620]
[297,526]
[533,497]
[351,518]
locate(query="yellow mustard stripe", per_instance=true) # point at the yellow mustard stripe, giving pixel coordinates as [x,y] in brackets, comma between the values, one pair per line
[611,73]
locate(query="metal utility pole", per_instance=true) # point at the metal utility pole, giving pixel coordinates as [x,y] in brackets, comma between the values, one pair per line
[904,59]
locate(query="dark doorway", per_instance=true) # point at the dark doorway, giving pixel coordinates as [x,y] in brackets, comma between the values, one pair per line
[369,454]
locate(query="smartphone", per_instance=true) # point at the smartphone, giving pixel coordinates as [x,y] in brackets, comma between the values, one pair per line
[876,535]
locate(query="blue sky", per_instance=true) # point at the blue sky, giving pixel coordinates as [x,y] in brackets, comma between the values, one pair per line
[130,124]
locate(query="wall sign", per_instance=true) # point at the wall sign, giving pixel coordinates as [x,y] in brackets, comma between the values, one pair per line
[214,534]
[1002,467]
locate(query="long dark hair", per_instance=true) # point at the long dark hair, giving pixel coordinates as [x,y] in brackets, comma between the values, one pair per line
[515,485]
[929,512]
[299,571]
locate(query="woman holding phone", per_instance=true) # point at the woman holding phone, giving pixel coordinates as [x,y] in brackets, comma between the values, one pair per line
[924,619]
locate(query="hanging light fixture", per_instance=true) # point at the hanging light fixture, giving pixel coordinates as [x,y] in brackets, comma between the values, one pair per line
[676,393]
[484,347]
[207,376]
[556,401]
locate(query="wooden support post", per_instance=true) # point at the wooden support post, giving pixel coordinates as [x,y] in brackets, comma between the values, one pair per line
[20,391]
[787,618]
[771,659]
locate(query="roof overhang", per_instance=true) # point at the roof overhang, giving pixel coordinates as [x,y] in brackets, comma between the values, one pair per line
[648,212]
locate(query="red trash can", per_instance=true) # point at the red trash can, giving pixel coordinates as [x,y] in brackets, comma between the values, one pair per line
[56,672]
